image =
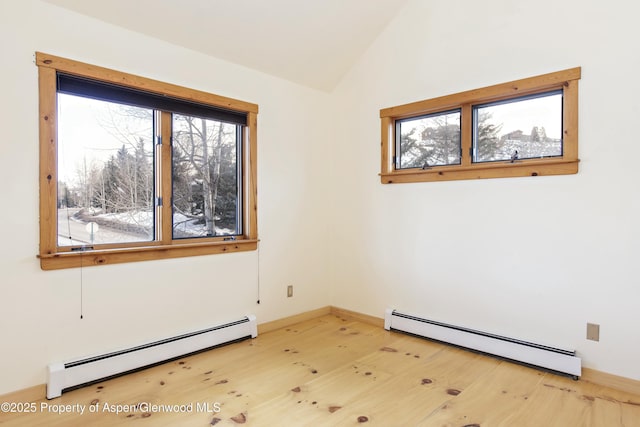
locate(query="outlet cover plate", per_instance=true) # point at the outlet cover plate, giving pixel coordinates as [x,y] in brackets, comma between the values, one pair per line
[593,332]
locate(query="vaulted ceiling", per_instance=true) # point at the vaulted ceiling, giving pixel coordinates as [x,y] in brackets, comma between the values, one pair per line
[310,42]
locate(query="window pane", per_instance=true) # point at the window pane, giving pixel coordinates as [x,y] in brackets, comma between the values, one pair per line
[105,172]
[432,140]
[205,178]
[525,128]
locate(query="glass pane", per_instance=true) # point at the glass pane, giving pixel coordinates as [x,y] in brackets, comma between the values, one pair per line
[105,172]
[525,128]
[426,141]
[205,178]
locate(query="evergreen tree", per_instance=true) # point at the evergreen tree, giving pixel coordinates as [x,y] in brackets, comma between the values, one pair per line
[488,146]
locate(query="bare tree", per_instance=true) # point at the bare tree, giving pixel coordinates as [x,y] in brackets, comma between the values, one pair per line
[201,144]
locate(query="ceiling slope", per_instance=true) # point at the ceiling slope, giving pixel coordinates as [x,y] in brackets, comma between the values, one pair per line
[309,42]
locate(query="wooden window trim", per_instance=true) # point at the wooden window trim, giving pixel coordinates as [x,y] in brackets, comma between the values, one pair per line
[54,257]
[566,80]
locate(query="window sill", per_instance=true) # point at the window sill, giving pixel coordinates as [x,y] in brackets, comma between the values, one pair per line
[61,260]
[483,171]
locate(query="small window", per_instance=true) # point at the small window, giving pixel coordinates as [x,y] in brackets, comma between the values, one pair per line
[133,169]
[426,141]
[527,127]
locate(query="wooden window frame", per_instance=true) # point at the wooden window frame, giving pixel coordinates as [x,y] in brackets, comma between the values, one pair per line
[566,80]
[52,256]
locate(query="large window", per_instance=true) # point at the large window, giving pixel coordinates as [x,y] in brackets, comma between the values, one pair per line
[527,127]
[133,169]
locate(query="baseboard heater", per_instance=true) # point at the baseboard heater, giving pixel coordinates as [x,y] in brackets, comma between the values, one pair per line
[73,374]
[549,358]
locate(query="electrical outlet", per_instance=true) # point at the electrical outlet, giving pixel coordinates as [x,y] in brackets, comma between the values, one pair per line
[593,332]
[289,291]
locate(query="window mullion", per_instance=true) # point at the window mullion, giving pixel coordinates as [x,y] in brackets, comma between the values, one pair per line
[466,134]
[164,179]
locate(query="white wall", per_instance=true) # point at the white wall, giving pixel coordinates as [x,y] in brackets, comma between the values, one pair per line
[533,258]
[129,304]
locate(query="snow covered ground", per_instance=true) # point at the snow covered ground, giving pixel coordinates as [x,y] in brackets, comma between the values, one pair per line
[136,226]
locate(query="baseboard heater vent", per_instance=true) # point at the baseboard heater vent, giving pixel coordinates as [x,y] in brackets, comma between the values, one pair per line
[549,358]
[73,374]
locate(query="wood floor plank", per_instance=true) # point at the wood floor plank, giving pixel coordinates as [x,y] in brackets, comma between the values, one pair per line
[559,401]
[418,387]
[315,402]
[490,400]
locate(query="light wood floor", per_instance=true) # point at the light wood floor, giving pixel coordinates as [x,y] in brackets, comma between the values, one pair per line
[332,371]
